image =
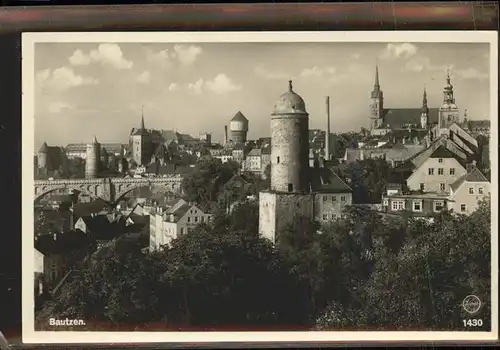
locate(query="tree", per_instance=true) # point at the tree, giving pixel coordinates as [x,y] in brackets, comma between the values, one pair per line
[423,283]
[204,184]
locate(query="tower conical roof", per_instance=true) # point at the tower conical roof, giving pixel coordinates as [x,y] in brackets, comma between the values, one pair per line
[290,103]
[44,147]
[239,117]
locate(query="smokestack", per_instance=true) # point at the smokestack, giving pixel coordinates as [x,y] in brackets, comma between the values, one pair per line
[225,135]
[327,133]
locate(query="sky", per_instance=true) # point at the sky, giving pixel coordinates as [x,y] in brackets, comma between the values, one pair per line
[84,90]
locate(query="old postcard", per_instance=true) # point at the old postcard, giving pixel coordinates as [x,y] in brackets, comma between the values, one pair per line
[185,187]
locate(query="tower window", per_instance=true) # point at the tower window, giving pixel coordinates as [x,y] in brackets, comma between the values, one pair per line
[290,187]
[277,160]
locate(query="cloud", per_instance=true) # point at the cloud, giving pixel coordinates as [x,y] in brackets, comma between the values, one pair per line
[270,75]
[395,51]
[106,54]
[79,59]
[173,87]
[62,78]
[162,58]
[58,107]
[317,72]
[222,85]
[187,54]
[196,88]
[144,77]
[419,63]
[470,73]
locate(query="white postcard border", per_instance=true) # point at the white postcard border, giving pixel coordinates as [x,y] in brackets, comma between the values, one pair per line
[29,335]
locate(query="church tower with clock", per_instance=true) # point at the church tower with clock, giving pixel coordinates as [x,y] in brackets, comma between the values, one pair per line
[377,104]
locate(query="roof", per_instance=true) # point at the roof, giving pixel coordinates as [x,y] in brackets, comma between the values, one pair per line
[479,123]
[116,148]
[326,180]
[87,209]
[181,211]
[140,132]
[255,152]
[239,117]
[289,103]
[442,152]
[239,147]
[397,117]
[43,148]
[64,242]
[266,150]
[474,175]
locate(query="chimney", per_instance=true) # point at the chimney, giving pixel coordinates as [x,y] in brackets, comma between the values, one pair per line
[327,134]
[225,135]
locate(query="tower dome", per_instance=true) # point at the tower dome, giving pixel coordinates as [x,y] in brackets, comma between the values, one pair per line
[289,103]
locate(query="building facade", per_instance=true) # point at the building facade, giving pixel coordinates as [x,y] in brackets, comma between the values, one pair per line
[437,172]
[468,191]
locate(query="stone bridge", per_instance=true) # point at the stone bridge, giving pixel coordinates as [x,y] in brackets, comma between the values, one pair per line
[110,189]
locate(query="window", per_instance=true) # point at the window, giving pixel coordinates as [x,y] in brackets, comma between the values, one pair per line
[440,171]
[334,198]
[202,219]
[463,208]
[452,171]
[189,219]
[398,205]
[440,160]
[325,216]
[438,205]
[422,186]
[325,198]
[182,231]
[471,190]
[431,171]
[195,219]
[417,206]
[277,160]
[480,190]
[442,186]
[342,199]
[290,187]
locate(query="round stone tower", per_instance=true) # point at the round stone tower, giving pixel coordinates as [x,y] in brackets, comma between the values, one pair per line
[238,128]
[289,144]
[93,159]
[43,154]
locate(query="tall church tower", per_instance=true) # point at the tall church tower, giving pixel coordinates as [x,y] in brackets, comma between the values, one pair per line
[448,112]
[289,195]
[43,155]
[290,144]
[424,115]
[141,144]
[377,103]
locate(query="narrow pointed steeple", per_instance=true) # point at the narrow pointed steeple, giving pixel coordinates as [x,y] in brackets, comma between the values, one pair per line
[424,101]
[142,118]
[95,140]
[377,83]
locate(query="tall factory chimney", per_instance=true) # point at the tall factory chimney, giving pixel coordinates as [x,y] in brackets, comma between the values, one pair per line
[225,135]
[327,133]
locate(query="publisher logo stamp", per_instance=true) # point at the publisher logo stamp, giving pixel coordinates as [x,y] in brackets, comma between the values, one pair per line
[471,304]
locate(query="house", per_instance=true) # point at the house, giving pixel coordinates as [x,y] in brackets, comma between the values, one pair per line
[437,172]
[101,227]
[417,203]
[236,189]
[253,162]
[468,191]
[238,152]
[168,224]
[56,254]
[331,194]
[479,127]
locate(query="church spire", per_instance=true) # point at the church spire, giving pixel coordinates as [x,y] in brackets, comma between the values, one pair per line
[377,83]
[377,92]
[142,118]
[425,109]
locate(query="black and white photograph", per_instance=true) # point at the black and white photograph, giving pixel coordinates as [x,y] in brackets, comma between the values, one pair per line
[237,186]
